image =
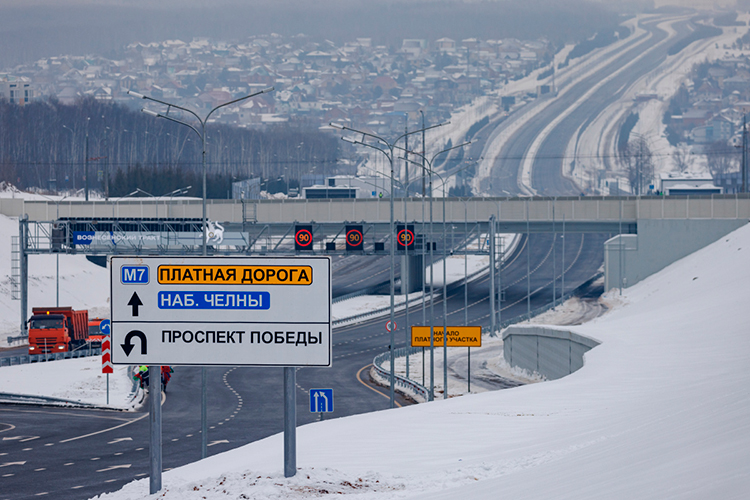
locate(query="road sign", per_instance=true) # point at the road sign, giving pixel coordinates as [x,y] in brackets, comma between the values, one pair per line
[104,327]
[458,336]
[354,238]
[106,357]
[303,237]
[321,400]
[405,236]
[222,311]
[391,325]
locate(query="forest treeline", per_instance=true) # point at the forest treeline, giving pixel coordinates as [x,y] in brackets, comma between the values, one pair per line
[45,144]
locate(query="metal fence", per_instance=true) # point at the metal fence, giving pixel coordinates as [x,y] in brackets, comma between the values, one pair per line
[400,381]
[38,358]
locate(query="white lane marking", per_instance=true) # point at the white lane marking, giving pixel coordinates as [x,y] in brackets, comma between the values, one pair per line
[69,463]
[30,438]
[8,475]
[40,469]
[110,480]
[106,430]
[9,428]
[218,442]
[140,449]
[123,466]
[118,440]
[7,464]
[96,458]
[49,444]
[77,487]
[118,453]
[42,493]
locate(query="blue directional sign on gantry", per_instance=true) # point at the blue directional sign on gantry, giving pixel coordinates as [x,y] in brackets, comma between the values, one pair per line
[321,400]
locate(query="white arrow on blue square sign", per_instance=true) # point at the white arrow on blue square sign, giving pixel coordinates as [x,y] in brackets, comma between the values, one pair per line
[321,400]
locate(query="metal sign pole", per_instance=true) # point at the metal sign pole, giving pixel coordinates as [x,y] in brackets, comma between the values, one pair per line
[154,418]
[204,414]
[290,421]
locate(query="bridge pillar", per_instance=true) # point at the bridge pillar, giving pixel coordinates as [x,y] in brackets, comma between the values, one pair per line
[416,273]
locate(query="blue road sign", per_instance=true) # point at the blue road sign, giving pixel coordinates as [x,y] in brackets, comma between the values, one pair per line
[321,400]
[134,275]
[104,326]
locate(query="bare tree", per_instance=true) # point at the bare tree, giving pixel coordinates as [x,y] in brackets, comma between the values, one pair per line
[682,159]
[722,158]
[636,159]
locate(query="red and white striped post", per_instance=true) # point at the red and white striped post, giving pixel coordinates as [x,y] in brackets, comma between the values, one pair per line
[107,362]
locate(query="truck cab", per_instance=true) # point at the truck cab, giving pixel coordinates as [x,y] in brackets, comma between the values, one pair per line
[57,329]
[48,333]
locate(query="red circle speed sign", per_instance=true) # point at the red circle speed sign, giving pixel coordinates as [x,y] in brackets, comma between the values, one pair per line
[354,237]
[303,238]
[405,237]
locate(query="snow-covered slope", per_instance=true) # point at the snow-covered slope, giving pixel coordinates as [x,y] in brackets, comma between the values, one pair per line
[660,410]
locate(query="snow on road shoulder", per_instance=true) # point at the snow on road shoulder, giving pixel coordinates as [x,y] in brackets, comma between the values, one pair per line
[659,410]
[78,379]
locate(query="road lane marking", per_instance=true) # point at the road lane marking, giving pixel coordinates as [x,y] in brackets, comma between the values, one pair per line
[42,494]
[118,453]
[30,438]
[27,449]
[77,487]
[113,467]
[69,463]
[96,458]
[118,440]
[359,377]
[105,430]
[40,469]
[7,464]
[8,475]
[9,428]
[140,449]
[110,480]
[218,442]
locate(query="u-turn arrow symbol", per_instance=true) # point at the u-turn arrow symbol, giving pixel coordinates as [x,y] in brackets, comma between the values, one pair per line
[128,345]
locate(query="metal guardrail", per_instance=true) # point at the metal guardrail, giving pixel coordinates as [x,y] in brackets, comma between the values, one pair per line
[400,381]
[38,358]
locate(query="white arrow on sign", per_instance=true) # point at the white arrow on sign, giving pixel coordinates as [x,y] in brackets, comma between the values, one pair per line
[322,396]
[217,442]
[120,439]
[6,464]
[124,466]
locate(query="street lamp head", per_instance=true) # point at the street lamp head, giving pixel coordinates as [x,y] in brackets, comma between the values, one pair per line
[350,140]
[336,125]
[150,113]
[267,90]
[136,94]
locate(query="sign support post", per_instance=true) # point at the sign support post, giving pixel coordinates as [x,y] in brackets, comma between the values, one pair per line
[290,421]
[154,383]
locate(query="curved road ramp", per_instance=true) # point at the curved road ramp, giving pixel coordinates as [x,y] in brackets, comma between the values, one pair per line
[551,352]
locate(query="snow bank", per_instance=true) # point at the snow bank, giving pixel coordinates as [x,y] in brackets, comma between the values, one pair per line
[78,379]
[660,410]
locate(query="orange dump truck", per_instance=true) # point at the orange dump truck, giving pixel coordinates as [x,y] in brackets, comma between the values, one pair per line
[57,329]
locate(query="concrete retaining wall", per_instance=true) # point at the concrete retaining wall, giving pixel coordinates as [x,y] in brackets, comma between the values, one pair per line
[548,351]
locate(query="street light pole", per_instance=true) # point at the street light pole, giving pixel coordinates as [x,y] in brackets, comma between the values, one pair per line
[202,134]
[388,150]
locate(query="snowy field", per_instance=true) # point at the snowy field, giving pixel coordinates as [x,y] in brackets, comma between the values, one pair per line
[660,410]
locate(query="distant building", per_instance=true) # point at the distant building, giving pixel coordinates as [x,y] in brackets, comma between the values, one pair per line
[16,90]
[688,185]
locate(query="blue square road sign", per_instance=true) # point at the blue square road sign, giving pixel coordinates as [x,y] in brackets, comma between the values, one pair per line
[321,400]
